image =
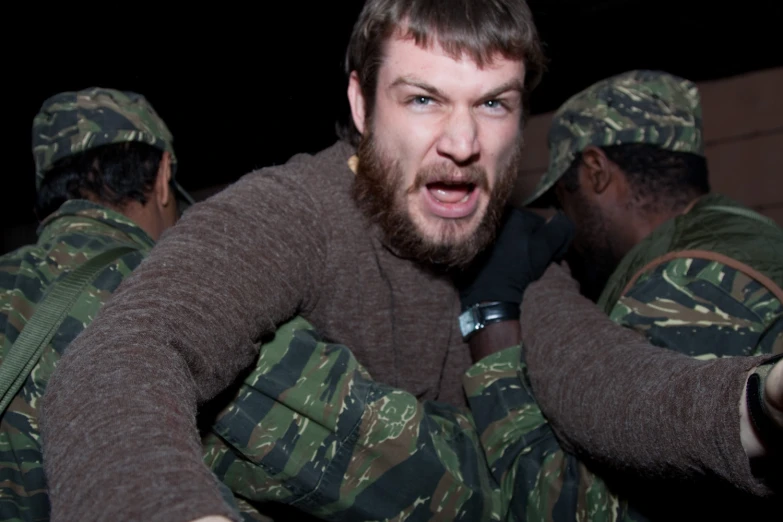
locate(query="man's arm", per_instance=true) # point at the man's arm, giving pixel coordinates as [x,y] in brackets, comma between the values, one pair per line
[617,400]
[118,421]
[494,338]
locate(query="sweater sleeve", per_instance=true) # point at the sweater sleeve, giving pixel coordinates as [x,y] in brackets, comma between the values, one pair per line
[119,417]
[616,400]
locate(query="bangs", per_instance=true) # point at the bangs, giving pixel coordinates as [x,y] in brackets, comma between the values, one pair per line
[479,30]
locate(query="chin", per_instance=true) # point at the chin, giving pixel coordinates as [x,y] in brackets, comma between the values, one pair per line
[448,232]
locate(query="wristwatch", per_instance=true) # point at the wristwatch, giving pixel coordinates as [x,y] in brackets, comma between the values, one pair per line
[480,315]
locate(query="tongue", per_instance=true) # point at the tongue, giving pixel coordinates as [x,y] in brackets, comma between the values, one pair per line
[448,193]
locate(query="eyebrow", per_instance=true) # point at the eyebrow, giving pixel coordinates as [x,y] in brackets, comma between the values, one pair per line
[409,81]
[511,85]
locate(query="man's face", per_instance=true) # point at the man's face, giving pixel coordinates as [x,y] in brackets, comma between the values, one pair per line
[441,149]
[593,253]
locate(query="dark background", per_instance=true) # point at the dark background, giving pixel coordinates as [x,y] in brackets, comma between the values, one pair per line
[245,88]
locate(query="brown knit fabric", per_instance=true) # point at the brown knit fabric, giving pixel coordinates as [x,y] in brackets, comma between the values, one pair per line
[625,404]
[120,440]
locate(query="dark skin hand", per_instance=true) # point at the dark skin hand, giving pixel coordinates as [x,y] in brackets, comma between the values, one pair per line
[493,338]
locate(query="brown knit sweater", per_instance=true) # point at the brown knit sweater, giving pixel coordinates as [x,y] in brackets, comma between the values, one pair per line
[119,418]
[622,403]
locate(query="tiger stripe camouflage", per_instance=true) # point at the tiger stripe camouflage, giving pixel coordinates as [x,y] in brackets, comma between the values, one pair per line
[79,231]
[311,429]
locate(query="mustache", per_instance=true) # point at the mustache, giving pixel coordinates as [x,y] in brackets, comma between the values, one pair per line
[449,174]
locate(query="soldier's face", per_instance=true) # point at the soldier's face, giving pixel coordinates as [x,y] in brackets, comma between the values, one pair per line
[446,137]
[592,257]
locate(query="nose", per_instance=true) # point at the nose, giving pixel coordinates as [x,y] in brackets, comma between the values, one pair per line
[459,140]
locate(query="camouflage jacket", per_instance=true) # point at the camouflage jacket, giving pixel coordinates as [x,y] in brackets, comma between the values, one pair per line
[77,232]
[310,428]
[707,284]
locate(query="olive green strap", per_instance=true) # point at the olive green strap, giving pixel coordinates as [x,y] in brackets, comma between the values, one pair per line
[24,354]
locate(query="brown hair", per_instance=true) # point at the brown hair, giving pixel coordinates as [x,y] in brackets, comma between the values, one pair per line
[480,28]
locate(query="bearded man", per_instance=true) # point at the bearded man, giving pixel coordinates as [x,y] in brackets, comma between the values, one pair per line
[362,240]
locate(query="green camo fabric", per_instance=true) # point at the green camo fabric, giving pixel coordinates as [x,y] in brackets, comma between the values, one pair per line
[309,428]
[77,232]
[639,106]
[23,354]
[73,122]
[710,226]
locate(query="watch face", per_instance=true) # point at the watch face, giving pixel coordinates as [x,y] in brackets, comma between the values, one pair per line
[467,322]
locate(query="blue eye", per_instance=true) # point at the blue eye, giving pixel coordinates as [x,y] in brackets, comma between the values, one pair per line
[421,100]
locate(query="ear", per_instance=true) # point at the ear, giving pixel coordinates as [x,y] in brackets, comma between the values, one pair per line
[596,172]
[163,194]
[356,99]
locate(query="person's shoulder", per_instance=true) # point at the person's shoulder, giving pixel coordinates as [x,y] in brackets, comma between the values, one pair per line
[314,173]
[30,273]
[306,185]
[112,261]
[684,301]
[695,281]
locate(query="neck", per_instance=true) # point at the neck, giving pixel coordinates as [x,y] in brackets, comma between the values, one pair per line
[141,215]
[646,222]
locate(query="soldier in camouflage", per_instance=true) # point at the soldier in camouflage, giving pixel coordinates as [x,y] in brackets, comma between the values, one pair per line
[690,270]
[104,174]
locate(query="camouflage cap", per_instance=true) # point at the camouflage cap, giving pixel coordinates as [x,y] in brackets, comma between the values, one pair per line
[73,122]
[638,106]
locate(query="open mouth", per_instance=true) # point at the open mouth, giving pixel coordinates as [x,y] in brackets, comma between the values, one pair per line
[452,199]
[448,192]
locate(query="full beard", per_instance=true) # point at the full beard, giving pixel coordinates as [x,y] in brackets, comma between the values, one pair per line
[592,259]
[380,194]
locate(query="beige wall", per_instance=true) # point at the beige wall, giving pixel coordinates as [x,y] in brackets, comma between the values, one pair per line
[743,131]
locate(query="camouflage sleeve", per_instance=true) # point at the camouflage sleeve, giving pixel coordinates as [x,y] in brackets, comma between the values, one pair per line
[703,309]
[538,480]
[309,428]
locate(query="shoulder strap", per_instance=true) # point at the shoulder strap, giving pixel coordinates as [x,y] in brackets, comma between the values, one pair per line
[24,354]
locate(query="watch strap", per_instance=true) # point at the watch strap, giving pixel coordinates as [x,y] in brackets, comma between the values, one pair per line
[480,315]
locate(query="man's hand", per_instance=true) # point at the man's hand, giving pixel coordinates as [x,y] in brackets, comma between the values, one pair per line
[525,246]
[773,394]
